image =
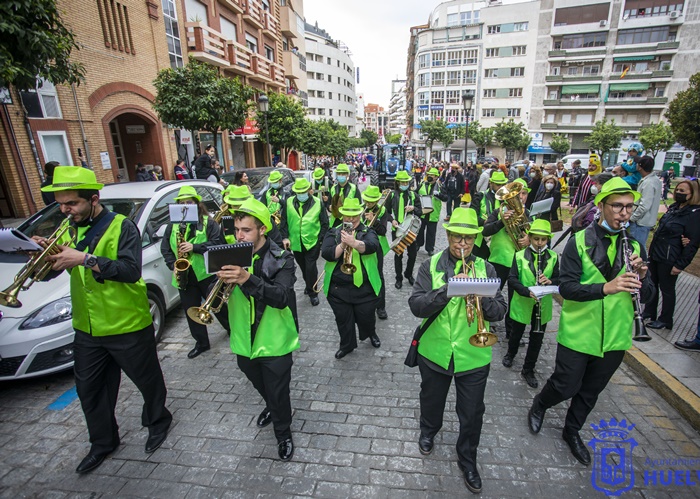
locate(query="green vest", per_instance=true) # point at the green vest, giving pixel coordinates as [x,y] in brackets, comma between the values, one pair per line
[502,248]
[369,262]
[383,241]
[111,307]
[334,189]
[521,306]
[482,206]
[197,260]
[597,326]
[437,204]
[448,335]
[303,230]
[272,206]
[400,213]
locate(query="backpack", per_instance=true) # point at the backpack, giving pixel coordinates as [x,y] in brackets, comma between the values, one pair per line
[451,185]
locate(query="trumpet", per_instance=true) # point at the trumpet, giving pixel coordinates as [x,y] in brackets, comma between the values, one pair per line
[38,266]
[277,216]
[347,267]
[182,265]
[224,210]
[216,299]
[482,338]
[640,331]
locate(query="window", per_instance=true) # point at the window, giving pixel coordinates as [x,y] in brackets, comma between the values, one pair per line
[646,35]
[436,114]
[321,94]
[519,49]
[172,33]
[312,93]
[453,97]
[269,53]
[573,70]
[467,18]
[513,112]
[490,73]
[470,56]
[423,61]
[330,78]
[659,91]
[318,58]
[454,77]
[454,58]
[439,59]
[494,29]
[488,113]
[517,71]
[54,146]
[321,111]
[556,70]
[520,26]
[469,76]
[330,112]
[657,10]
[674,156]
[116,27]
[265,5]
[320,76]
[423,98]
[452,115]
[492,52]
[330,95]
[438,78]
[489,93]
[251,42]
[437,97]
[515,92]
[593,69]
[42,102]
[453,19]
[582,41]
[424,80]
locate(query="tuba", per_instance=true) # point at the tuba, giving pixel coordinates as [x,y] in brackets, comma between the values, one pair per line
[517,225]
[224,210]
[38,267]
[218,295]
[482,338]
[640,331]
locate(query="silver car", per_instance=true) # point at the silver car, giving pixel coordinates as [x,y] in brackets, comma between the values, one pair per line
[37,339]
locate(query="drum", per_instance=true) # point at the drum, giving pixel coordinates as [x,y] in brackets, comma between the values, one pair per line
[426,204]
[406,233]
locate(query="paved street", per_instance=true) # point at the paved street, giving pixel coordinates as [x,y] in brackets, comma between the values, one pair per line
[355,428]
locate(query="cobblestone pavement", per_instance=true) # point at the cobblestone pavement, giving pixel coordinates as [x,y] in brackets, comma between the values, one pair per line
[355,428]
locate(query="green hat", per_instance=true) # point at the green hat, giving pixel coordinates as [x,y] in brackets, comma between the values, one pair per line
[540,228]
[463,221]
[234,195]
[342,168]
[186,192]
[275,176]
[73,178]
[372,194]
[351,207]
[616,185]
[319,173]
[255,208]
[498,177]
[522,181]
[403,176]
[301,185]
[434,171]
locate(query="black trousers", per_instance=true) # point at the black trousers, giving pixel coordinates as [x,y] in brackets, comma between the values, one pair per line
[306,260]
[352,306]
[192,296]
[429,239]
[581,378]
[99,362]
[453,202]
[271,377]
[381,299]
[534,345]
[502,272]
[660,273]
[412,251]
[470,407]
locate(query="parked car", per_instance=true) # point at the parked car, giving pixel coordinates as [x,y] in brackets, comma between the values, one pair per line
[257,178]
[37,338]
[307,174]
[569,159]
[484,159]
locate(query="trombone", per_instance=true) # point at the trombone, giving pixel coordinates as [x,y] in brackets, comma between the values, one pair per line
[205,314]
[482,338]
[38,266]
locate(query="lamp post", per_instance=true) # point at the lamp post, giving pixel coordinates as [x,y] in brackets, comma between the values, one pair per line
[467,100]
[263,107]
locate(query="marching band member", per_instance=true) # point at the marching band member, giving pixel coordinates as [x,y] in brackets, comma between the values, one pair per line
[341,190]
[196,240]
[485,203]
[403,202]
[371,196]
[304,224]
[262,314]
[111,314]
[234,196]
[595,327]
[319,176]
[444,351]
[535,265]
[429,221]
[273,196]
[352,294]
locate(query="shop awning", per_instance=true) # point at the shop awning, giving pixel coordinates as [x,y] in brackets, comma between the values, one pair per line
[635,58]
[580,89]
[623,87]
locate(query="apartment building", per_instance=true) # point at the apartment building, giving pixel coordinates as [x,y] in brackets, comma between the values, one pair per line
[397,108]
[376,119]
[294,48]
[330,78]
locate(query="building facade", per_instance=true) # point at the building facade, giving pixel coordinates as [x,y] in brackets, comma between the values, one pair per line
[397,108]
[294,48]
[376,119]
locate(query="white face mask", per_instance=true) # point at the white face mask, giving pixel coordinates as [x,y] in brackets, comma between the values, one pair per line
[594,189]
[549,187]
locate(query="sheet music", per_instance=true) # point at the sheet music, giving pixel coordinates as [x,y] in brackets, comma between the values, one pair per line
[473,286]
[183,213]
[239,254]
[540,291]
[541,206]
[12,241]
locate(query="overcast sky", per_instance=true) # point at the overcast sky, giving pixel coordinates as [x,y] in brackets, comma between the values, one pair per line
[377,34]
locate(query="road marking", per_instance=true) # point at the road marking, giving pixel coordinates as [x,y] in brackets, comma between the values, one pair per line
[64,400]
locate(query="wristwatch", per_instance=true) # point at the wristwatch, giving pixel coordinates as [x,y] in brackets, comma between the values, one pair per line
[90,261]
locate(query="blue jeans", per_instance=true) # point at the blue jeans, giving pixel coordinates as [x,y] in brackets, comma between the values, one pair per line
[639,233]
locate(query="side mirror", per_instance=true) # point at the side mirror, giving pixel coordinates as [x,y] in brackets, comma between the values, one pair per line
[160,233]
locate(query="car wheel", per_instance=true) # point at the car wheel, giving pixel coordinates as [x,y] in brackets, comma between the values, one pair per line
[374,178]
[157,313]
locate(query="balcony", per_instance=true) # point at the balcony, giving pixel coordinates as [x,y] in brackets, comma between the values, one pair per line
[636,101]
[581,77]
[659,47]
[235,5]
[585,103]
[292,65]
[586,52]
[270,26]
[265,71]
[253,13]
[207,45]
[241,58]
[288,22]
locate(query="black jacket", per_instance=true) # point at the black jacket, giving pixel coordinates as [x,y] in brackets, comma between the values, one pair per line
[214,237]
[451,189]
[47,197]
[666,246]
[393,203]
[143,176]
[332,240]
[203,168]
[555,193]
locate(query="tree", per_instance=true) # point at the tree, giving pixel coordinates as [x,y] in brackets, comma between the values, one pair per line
[34,42]
[325,138]
[656,138]
[436,130]
[393,138]
[604,137]
[482,137]
[512,135]
[197,97]
[370,137]
[559,144]
[357,143]
[285,122]
[683,112]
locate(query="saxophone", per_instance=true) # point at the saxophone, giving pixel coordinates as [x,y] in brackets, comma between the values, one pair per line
[182,264]
[517,225]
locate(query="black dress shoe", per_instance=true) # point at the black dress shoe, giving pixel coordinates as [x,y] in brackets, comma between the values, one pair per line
[376,343]
[691,346]
[285,449]
[530,378]
[155,441]
[410,280]
[340,354]
[472,480]
[314,300]
[398,285]
[197,351]
[658,325]
[508,360]
[425,445]
[90,462]
[578,448]
[264,419]
[535,417]
[381,314]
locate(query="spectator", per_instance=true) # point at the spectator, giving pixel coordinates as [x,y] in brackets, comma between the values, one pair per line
[583,191]
[181,171]
[49,167]
[513,171]
[203,164]
[549,190]
[691,345]
[533,184]
[575,178]
[666,177]
[157,172]
[549,169]
[240,178]
[454,187]
[485,177]
[667,254]
[141,174]
[618,171]
[647,210]
[472,178]
[586,214]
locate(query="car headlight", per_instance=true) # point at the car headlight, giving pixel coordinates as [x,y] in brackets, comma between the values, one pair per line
[52,313]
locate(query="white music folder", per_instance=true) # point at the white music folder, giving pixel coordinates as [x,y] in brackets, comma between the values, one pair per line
[473,286]
[12,241]
[543,206]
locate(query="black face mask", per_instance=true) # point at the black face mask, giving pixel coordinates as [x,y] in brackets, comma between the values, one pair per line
[680,198]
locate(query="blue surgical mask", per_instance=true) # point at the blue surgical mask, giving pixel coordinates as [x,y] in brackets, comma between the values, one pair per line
[403,187]
[341,179]
[303,198]
[607,227]
[276,185]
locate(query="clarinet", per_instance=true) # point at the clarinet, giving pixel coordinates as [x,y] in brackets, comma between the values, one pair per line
[640,331]
[537,328]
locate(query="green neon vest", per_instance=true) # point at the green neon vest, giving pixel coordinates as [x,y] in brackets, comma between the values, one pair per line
[597,326]
[520,306]
[369,262]
[197,260]
[449,333]
[437,205]
[303,230]
[109,308]
[383,241]
[351,194]
[482,211]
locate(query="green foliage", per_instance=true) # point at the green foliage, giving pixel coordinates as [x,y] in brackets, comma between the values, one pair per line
[357,143]
[512,135]
[35,42]
[393,138]
[683,113]
[559,144]
[604,137]
[285,119]
[370,137]
[656,138]
[197,97]
[482,137]
[325,138]
[436,130]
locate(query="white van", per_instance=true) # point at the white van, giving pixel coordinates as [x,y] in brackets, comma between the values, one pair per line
[569,159]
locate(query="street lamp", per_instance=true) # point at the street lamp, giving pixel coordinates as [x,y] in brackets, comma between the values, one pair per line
[263,107]
[467,100]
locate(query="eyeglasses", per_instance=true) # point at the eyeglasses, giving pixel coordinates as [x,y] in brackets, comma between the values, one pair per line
[617,207]
[461,238]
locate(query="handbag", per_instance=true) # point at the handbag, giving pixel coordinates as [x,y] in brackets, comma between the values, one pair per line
[412,355]
[557,225]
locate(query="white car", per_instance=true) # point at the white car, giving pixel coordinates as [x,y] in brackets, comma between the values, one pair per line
[37,338]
